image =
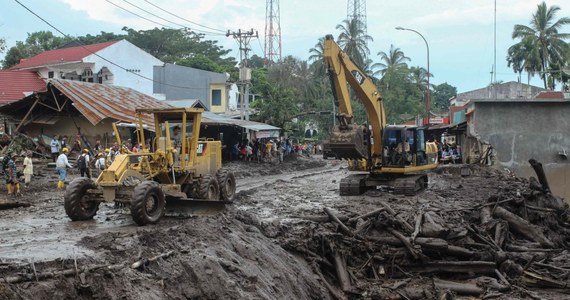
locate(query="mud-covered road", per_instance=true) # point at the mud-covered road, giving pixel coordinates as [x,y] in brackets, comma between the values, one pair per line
[44,232]
[248,250]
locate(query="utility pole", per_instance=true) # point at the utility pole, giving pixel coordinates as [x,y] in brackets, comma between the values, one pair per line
[243,38]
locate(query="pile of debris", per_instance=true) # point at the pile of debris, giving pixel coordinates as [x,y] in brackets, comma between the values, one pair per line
[20,143]
[517,240]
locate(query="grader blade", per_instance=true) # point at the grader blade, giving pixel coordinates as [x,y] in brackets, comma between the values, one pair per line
[186,208]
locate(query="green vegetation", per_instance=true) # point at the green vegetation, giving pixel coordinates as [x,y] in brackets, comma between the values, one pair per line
[542,48]
[293,89]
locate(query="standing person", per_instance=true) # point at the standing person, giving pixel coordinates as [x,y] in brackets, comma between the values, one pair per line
[100,162]
[55,146]
[176,136]
[63,142]
[83,163]
[10,172]
[98,147]
[28,168]
[61,166]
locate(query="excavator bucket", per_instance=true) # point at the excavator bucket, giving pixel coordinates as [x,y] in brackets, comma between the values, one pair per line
[349,143]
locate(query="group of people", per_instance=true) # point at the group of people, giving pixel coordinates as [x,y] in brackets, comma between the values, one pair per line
[451,153]
[11,173]
[103,156]
[267,149]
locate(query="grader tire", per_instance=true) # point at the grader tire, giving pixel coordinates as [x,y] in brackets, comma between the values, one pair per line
[148,204]
[208,188]
[227,184]
[76,200]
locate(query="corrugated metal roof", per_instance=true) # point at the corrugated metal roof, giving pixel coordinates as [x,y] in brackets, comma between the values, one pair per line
[59,56]
[100,101]
[212,118]
[14,85]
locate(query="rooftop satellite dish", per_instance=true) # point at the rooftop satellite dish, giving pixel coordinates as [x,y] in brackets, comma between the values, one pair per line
[566,70]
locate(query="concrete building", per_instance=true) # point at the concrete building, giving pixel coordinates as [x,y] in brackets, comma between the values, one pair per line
[521,129]
[173,82]
[118,63]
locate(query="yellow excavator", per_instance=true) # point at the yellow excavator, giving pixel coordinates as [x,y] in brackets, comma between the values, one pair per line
[391,157]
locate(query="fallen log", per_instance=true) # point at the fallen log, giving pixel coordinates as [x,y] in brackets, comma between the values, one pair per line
[366,215]
[398,219]
[478,267]
[341,225]
[523,227]
[342,272]
[67,272]
[435,244]
[406,242]
[535,280]
[145,261]
[321,219]
[8,204]
[336,294]
[459,288]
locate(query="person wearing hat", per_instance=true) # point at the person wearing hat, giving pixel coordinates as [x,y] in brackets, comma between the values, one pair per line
[100,162]
[83,163]
[61,166]
[10,172]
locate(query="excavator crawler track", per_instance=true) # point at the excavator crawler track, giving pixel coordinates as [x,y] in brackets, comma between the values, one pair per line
[353,185]
[410,185]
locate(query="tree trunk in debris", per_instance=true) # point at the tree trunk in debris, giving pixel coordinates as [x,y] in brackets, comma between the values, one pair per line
[540,174]
[459,288]
[523,227]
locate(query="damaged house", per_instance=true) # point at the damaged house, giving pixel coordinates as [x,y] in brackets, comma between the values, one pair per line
[513,127]
[84,89]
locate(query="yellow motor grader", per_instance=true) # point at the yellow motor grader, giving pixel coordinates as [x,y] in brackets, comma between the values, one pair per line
[179,166]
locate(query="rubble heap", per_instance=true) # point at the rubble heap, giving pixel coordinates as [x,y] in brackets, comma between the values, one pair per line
[514,241]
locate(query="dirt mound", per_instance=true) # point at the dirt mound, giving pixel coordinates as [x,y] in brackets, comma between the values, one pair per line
[216,257]
[279,241]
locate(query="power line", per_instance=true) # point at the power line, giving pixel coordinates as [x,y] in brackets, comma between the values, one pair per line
[184,19]
[101,57]
[133,13]
[177,24]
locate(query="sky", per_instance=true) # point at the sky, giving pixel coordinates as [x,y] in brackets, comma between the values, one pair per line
[460,33]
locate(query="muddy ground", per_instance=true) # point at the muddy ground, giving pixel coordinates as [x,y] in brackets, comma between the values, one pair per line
[255,248]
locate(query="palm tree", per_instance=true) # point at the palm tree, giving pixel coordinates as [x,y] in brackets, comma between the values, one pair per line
[354,41]
[544,38]
[419,77]
[524,57]
[392,60]
[317,57]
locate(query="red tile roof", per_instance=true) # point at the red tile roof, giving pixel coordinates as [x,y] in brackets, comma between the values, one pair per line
[63,55]
[13,85]
[550,95]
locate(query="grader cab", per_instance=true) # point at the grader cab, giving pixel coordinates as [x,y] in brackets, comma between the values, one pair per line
[179,167]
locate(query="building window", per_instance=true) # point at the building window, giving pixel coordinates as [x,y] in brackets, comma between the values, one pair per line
[50,74]
[217,97]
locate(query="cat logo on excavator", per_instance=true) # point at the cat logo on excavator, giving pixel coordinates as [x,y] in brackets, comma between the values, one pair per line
[179,167]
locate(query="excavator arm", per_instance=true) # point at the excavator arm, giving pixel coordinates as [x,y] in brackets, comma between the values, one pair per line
[350,140]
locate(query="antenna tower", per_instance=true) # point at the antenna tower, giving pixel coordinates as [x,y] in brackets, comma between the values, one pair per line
[272,51]
[356,9]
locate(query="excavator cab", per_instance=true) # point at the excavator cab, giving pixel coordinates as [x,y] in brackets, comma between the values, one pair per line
[405,147]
